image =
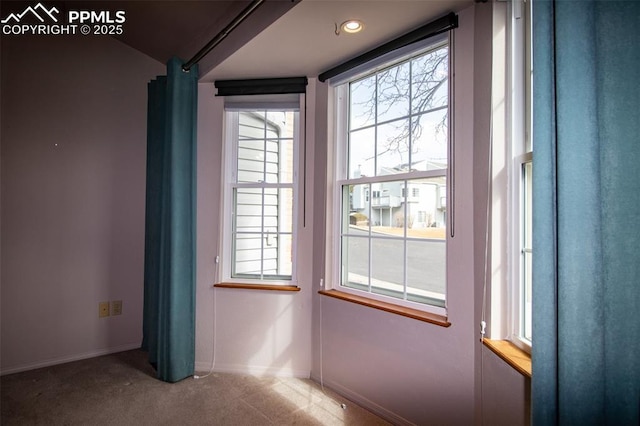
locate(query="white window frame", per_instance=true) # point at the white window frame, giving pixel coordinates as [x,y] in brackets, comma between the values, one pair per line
[521,153]
[229,153]
[337,166]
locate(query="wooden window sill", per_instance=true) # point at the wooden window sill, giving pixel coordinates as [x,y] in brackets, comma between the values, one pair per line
[511,354]
[267,287]
[389,307]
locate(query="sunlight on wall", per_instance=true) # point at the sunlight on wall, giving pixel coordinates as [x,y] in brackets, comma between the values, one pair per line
[498,275]
[278,339]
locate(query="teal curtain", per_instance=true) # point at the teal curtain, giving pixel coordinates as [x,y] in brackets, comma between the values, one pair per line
[586,273]
[170,228]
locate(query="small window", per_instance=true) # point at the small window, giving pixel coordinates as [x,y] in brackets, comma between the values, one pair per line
[260,193]
[394,145]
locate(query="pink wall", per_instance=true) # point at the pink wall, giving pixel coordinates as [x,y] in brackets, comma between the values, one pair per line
[73,185]
[210,132]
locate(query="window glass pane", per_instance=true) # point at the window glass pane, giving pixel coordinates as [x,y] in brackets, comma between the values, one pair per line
[362,153]
[426,270]
[427,208]
[527,252]
[526,300]
[265,146]
[426,247]
[386,205]
[393,92]
[387,267]
[251,155]
[362,98]
[430,141]
[356,208]
[247,210]
[251,125]
[393,147]
[528,71]
[251,161]
[272,162]
[286,161]
[281,124]
[285,209]
[247,254]
[429,80]
[355,261]
[424,214]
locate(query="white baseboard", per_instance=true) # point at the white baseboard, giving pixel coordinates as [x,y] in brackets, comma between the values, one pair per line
[68,358]
[361,400]
[253,370]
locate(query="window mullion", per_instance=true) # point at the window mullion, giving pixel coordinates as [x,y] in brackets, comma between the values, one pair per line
[405,269]
[375,129]
[370,251]
[404,240]
[410,135]
[264,180]
[375,173]
[391,178]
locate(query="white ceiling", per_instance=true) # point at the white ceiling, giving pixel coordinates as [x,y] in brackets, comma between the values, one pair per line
[303,41]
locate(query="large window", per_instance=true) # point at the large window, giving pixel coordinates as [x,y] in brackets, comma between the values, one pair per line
[260,193]
[392,165]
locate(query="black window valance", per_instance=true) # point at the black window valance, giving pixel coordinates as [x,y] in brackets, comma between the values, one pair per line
[261,86]
[431,29]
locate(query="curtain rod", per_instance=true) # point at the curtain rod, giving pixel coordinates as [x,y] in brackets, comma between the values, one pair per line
[431,29]
[222,34]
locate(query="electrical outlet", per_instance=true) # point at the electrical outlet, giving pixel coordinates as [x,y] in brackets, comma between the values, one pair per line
[116,307]
[103,309]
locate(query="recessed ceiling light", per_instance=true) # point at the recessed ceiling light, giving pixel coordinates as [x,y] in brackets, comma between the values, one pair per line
[352,26]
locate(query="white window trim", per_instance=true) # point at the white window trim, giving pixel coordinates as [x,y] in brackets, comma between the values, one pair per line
[229,153]
[337,169]
[509,131]
[520,135]
[516,243]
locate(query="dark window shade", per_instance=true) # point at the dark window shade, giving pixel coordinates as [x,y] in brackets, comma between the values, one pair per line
[431,29]
[261,86]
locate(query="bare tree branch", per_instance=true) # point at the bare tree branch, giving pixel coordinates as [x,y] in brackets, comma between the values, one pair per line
[392,92]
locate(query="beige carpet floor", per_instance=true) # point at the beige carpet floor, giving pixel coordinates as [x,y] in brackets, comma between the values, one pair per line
[120,389]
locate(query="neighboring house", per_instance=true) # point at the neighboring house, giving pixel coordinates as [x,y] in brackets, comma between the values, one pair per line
[384,203]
